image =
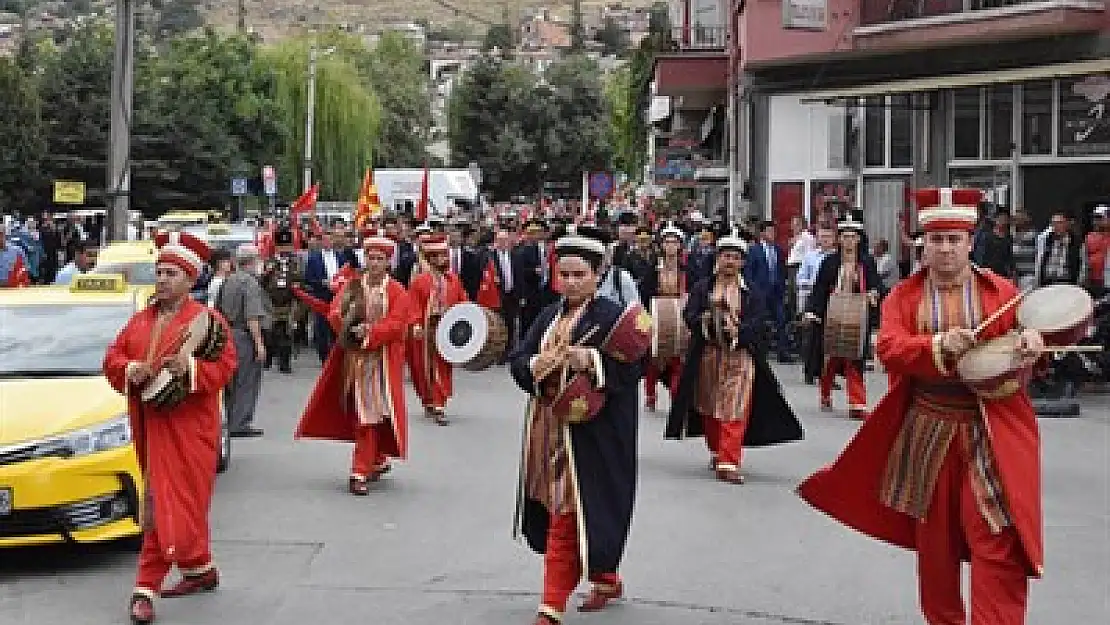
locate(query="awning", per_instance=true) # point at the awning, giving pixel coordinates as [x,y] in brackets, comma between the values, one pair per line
[682,74]
[957,81]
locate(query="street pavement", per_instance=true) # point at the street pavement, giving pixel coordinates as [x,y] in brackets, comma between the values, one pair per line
[432,543]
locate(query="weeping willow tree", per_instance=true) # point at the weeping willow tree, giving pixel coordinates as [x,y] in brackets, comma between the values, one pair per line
[348,116]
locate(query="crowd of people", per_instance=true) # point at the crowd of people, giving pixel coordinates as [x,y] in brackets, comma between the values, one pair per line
[934,467]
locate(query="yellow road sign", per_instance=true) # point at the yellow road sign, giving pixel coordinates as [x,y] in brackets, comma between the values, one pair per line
[69,192]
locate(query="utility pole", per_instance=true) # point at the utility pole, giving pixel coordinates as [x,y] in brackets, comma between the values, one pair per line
[310,118]
[118,187]
[242,16]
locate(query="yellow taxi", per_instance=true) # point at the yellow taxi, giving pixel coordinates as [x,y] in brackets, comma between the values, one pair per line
[134,260]
[68,471]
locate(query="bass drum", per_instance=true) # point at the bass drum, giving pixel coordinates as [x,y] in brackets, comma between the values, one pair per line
[471,336]
[670,337]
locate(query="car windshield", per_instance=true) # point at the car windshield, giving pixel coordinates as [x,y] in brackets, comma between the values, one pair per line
[229,244]
[66,339]
[135,273]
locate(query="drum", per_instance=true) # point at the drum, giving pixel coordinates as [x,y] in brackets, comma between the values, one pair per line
[993,369]
[1062,313]
[670,337]
[165,390]
[471,336]
[204,338]
[846,333]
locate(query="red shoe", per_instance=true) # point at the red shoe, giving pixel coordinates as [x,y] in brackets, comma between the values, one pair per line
[650,404]
[543,619]
[600,596]
[358,486]
[142,610]
[193,584]
[732,476]
[826,404]
[857,414]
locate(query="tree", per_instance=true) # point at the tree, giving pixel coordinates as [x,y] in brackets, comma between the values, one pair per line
[500,37]
[613,39]
[574,136]
[577,30]
[347,119]
[22,145]
[397,76]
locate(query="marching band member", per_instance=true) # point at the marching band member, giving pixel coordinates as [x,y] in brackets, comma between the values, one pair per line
[432,293]
[360,394]
[728,392]
[175,442]
[580,364]
[846,271]
[667,280]
[936,468]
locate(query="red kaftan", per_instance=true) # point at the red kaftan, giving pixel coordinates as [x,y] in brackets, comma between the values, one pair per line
[331,413]
[177,448]
[432,294]
[848,490]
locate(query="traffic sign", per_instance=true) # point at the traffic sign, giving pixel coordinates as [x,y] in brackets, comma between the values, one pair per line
[69,192]
[269,180]
[601,184]
[238,186]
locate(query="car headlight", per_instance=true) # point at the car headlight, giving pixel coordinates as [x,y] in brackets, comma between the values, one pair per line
[100,437]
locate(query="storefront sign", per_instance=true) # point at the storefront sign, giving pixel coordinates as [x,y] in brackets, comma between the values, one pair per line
[808,14]
[69,192]
[1085,116]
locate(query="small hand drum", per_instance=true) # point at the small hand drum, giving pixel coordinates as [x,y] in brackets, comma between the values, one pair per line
[994,369]
[1062,313]
[165,390]
[472,336]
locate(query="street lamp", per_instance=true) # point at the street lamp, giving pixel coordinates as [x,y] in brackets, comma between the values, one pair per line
[118,189]
[310,118]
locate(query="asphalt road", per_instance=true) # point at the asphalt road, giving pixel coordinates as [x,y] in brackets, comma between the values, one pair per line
[432,543]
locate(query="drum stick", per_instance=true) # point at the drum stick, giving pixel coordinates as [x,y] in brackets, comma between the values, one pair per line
[1067,349]
[1001,311]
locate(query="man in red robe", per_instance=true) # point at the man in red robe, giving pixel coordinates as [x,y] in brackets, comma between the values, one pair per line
[936,468]
[176,443]
[360,394]
[432,293]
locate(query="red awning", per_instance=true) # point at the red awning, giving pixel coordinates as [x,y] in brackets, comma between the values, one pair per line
[676,75]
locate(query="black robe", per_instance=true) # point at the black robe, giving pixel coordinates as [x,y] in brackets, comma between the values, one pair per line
[603,449]
[818,302]
[770,420]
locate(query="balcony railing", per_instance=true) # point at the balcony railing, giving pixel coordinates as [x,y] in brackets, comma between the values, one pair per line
[874,12]
[699,37]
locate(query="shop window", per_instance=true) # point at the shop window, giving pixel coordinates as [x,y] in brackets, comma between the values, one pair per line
[1000,120]
[1036,117]
[1084,119]
[901,131]
[874,132]
[966,122]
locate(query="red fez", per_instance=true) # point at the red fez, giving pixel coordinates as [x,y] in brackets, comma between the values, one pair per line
[435,243]
[182,249]
[379,244]
[948,209]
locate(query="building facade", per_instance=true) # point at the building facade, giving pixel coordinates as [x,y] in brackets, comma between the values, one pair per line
[861,101]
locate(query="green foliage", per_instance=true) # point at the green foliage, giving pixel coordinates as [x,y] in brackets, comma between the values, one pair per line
[613,39]
[347,120]
[498,36]
[22,146]
[397,76]
[512,126]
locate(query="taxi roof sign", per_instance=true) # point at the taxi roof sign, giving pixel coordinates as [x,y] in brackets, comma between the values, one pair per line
[98,283]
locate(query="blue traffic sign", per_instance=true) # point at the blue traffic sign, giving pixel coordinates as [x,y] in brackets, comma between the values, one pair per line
[601,184]
[238,186]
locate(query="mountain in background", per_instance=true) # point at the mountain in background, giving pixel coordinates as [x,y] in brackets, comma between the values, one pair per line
[454,19]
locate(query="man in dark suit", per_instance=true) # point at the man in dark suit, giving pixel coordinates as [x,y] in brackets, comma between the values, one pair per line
[501,254]
[320,268]
[532,266]
[405,257]
[765,269]
[464,261]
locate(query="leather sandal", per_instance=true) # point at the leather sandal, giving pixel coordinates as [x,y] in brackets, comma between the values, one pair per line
[600,596]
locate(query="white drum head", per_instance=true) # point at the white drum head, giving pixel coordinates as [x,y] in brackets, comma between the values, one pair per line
[1055,307]
[159,382]
[462,333]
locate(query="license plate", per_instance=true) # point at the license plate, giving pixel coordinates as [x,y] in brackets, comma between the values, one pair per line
[5,501]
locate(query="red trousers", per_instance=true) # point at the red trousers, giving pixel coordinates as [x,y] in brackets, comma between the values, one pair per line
[434,380]
[673,369]
[850,369]
[725,440]
[153,567]
[562,565]
[953,528]
[367,455]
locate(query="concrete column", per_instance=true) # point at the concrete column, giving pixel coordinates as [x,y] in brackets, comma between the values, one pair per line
[118,187]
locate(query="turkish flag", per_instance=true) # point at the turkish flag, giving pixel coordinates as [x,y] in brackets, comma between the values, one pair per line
[305,203]
[489,296]
[19,275]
